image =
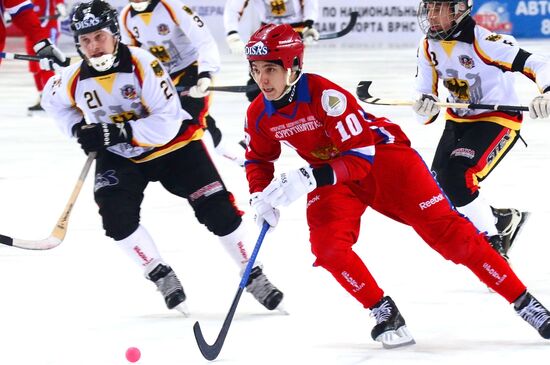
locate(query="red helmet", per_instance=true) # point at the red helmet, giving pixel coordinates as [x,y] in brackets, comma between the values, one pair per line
[276,42]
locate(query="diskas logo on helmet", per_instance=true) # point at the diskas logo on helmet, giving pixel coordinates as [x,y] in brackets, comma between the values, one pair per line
[258,49]
[89,21]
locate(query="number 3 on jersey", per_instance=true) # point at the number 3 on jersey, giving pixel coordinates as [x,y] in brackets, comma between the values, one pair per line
[350,127]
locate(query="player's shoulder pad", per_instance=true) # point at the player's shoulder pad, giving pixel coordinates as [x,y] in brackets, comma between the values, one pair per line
[487,37]
[334,100]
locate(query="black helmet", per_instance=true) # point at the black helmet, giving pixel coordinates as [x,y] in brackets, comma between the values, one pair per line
[92,16]
[430,11]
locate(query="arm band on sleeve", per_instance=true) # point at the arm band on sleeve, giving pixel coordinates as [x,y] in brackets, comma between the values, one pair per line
[324,175]
[546,90]
[519,62]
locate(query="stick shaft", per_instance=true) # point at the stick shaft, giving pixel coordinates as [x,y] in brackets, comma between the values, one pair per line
[210,352]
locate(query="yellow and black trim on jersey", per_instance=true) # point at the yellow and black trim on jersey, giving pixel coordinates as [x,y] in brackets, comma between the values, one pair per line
[71,86]
[435,77]
[512,121]
[171,12]
[504,66]
[191,132]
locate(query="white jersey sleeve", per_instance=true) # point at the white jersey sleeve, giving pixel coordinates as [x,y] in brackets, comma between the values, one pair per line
[232,14]
[504,52]
[57,100]
[311,10]
[537,68]
[198,33]
[426,76]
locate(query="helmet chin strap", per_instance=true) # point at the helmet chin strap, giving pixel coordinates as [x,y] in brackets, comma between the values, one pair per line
[105,62]
[289,84]
[139,7]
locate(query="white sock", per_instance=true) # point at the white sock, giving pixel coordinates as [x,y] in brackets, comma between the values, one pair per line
[140,248]
[235,244]
[481,215]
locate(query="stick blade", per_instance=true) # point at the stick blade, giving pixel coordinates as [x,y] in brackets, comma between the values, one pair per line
[209,352]
[363,90]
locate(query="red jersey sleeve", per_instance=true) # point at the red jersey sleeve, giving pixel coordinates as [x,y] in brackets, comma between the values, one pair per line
[347,126]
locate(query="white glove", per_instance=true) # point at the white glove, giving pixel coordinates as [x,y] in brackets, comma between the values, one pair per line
[540,106]
[310,35]
[61,9]
[425,105]
[289,186]
[264,211]
[52,57]
[236,45]
[201,89]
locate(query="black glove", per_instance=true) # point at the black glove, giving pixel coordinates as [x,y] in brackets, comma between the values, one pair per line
[253,92]
[97,136]
[52,57]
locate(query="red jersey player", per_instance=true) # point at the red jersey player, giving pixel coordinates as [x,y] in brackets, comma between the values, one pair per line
[25,18]
[48,12]
[354,160]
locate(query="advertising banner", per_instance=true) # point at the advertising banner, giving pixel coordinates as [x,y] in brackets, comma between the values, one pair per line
[521,18]
[380,22]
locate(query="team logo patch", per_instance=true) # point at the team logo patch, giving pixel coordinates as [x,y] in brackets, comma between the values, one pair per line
[494,37]
[333,102]
[107,178]
[464,152]
[157,68]
[466,61]
[187,10]
[257,49]
[89,21]
[163,29]
[128,92]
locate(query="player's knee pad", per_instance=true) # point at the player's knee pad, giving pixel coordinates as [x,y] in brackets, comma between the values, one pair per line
[218,213]
[328,254]
[453,181]
[460,243]
[119,218]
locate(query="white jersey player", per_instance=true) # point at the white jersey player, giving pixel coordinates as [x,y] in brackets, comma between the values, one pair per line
[120,103]
[300,14]
[476,67]
[180,39]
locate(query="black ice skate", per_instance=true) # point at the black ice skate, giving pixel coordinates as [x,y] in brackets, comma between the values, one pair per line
[35,108]
[534,313]
[498,245]
[262,289]
[390,328]
[510,221]
[169,286]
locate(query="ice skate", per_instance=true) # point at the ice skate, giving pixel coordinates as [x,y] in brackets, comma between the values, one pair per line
[35,108]
[169,286]
[390,328]
[534,313]
[262,289]
[497,243]
[510,222]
